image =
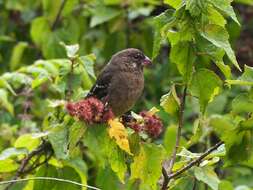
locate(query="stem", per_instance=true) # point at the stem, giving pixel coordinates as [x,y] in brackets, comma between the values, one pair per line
[196,161]
[44,146]
[179,129]
[58,14]
[48,178]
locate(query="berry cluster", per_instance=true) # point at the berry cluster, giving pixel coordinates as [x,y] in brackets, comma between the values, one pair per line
[151,124]
[90,110]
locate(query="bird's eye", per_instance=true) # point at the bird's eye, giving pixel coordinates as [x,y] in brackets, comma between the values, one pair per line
[137,56]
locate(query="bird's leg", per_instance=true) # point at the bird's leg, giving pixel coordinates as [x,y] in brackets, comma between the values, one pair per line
[127,117]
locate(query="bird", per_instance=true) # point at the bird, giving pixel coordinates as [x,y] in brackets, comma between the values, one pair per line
[121,81]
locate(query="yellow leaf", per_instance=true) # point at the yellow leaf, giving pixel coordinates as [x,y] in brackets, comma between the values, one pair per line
[119,133]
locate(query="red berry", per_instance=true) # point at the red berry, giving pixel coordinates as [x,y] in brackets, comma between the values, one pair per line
[90,110]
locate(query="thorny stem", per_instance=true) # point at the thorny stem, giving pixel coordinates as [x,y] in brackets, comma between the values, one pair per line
[180,125]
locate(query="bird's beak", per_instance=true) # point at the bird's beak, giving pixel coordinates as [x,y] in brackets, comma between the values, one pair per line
[146,61]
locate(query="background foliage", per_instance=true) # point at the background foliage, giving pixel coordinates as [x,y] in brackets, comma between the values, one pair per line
[202,46]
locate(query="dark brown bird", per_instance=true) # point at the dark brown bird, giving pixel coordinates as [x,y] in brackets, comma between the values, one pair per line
[121,82]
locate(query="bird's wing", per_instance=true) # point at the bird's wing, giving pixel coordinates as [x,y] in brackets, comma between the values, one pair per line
[100,88]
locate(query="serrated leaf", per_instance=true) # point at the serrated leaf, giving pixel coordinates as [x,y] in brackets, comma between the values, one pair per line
[225,7]
[205,85]
[119,133]
[170,102]
[147,165]
[215,17]
[183,56]
[160,21]
[218,36]
[208,176]
[88,64]
[58,138]
[196,7]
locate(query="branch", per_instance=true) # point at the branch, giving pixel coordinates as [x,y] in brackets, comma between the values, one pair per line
[25,161]
[180,125]
[58,14]
[196,161]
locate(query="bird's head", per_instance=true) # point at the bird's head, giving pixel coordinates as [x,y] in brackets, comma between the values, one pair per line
[132,58]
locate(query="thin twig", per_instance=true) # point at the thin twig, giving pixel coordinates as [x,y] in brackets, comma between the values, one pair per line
[48,178]
[58,14]
[196,161]
[180,125]
[26,160]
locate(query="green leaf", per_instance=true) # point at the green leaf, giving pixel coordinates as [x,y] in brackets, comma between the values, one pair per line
[170,102]
[226,185]
[40,30]
[4,102]
[225,7]
[218,36]
[242,103]
[51,8]
[12,152]
[208,176]
[215,17]
[80,167]
[105,150]
[147,165]
[183,56]
[68,173]
[59,141]
[49,66]
[246,79]
[161,21]
[45,171]
[196,7]
[174,3]
[247,2]
[205,85]
[88,62]
[169,139]
[5,84]
[71,50]
[17,79]
[17,54]
[27,141]
[117,160]
[103,14]
[12,165]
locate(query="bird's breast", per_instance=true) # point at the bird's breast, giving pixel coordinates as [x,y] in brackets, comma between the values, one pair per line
[124,91]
